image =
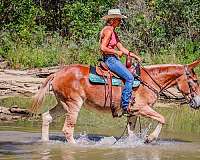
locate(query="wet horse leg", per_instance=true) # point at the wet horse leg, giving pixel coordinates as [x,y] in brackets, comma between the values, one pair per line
[149,112]
[71,118]
[131,124]
[154,135]
[47,118]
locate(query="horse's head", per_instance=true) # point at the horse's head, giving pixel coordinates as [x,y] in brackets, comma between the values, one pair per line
[189,86]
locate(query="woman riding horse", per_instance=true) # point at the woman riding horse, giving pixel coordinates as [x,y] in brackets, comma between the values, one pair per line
[72,88]
[112,49]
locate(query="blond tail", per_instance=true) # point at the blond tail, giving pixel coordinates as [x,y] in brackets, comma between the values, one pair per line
[39,96]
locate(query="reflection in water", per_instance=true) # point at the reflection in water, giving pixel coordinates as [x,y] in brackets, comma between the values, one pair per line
[95,147]
[181,124]
[67,154]
[45,154]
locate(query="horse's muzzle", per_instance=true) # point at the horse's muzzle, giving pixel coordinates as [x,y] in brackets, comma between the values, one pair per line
[195,102]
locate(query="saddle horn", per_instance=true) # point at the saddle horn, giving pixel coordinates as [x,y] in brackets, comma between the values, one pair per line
[129,61]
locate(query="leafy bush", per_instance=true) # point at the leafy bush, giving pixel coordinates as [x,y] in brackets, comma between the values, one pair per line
[161,30]
[43,33]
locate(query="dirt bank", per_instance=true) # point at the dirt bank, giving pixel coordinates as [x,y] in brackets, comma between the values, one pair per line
[25,83]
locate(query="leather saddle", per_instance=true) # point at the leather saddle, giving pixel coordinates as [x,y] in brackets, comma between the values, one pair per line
[103,70]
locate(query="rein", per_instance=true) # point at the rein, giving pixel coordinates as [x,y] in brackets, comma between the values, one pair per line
[161,88]
[187,73]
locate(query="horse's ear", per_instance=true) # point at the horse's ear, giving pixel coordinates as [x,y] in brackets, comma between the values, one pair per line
[194,64]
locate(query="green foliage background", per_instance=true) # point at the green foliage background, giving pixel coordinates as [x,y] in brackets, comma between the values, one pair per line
[40,33]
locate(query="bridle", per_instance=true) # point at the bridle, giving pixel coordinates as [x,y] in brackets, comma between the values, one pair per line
[164,88]
[193,97]
[190,81]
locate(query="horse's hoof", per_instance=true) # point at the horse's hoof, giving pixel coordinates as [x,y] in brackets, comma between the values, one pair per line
[44,139]
[71,142]
[149,139]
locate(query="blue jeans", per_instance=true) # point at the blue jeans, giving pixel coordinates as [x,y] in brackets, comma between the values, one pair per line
[118,68]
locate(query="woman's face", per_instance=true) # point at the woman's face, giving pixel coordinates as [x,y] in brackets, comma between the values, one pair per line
[116,22]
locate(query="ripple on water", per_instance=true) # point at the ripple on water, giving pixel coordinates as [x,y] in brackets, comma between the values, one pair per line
[91,146]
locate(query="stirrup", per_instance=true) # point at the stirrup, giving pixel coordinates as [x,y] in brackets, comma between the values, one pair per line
[127,113]
[130,110]
[132,101]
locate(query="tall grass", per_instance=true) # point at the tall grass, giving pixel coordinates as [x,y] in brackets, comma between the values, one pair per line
[181,119]
[50,51]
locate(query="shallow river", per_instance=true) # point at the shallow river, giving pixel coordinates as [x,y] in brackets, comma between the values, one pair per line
[96,134]
[26,145]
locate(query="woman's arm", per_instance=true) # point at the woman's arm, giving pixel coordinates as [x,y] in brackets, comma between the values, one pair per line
[122,48]
[104,43]
[126,51]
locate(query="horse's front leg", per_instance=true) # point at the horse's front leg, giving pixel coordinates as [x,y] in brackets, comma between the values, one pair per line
[149,112]
[154,135]
[71,118]
[131,124]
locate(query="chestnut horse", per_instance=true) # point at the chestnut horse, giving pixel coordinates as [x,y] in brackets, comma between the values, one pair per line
[73,89]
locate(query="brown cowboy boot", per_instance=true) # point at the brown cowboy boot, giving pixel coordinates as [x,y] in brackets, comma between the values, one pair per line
[131,105]
[116,110]
[130,110]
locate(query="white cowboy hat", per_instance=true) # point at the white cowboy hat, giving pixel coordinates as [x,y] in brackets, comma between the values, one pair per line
[113,13]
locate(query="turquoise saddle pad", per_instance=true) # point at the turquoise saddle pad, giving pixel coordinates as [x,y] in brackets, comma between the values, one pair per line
[96,79]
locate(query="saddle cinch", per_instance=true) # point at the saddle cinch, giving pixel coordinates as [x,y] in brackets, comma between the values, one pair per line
[103,76]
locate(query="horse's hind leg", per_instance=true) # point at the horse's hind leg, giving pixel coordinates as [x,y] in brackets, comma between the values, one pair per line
[71,118]
[47,118]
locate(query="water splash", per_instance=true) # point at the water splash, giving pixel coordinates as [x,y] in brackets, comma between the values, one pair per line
[128,141]
[132,140]
[84,139]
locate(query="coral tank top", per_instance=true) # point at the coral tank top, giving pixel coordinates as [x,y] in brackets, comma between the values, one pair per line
[113,40]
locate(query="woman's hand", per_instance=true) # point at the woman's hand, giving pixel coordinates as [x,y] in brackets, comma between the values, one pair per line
[138,58]
[119,53]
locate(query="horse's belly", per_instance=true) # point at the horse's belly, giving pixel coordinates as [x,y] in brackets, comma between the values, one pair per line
[92,106]
[99,99]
